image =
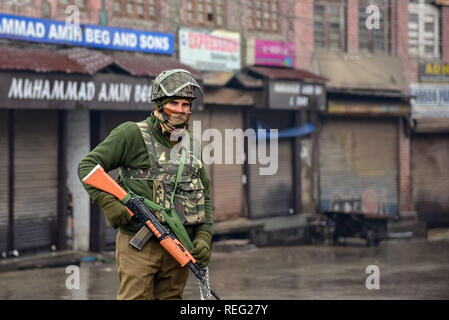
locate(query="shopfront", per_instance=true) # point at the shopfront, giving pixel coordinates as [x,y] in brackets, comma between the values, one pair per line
[430,144]
[288,103]
[359,156]
[32,214]
[50,121]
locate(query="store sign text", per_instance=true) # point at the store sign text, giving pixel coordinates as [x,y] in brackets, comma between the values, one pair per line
[208,50]
[292,94]
[60,90]
[50,31]
[435,72]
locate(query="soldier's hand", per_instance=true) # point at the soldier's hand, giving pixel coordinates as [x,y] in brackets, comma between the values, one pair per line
[116,213]
[201,247]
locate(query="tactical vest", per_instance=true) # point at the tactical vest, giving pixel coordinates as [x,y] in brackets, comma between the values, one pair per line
[189,195]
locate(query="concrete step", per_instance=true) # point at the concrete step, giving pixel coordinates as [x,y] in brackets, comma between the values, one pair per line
[233,245]
[284,230]
[42,260]
[237,225]
[438,234]
[417,228]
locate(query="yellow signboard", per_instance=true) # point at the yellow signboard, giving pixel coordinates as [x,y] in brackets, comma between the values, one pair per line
[434,72]
[373,109]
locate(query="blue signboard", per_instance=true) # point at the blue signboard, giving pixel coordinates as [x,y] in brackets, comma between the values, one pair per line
[51,31]
[431,100]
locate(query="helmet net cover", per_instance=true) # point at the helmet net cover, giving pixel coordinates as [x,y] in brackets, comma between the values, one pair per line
[176,82]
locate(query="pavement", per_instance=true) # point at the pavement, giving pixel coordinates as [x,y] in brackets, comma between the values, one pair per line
[406,269]
[256,231]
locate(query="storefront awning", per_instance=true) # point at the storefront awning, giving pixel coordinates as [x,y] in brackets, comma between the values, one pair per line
[246,81]
[217,79]
[364,108]
[229,97]
[39,60]
[431,125]
[85,61]
[78,78]
[282,88]
[361,73]
[273,73]
[151,65]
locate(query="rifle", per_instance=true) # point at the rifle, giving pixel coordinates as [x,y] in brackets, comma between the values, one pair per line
[99,179]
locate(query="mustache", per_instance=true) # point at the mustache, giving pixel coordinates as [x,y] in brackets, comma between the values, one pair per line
[169,113]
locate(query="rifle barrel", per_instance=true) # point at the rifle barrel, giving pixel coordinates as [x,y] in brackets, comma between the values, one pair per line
[200,277]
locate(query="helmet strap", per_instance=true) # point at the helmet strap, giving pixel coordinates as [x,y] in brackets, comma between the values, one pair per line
[162,111]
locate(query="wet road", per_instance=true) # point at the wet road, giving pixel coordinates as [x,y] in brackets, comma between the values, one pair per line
[408,269]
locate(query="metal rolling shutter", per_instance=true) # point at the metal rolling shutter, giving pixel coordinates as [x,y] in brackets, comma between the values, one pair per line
[272,195]
[358,165]
[202,119]
[4,190]
[109,120]
[35,178]
[430,178]
[227,190]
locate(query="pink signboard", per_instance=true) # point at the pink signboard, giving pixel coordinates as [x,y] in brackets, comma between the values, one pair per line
[274,53]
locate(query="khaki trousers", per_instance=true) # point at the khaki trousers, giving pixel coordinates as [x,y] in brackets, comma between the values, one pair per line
[150,274]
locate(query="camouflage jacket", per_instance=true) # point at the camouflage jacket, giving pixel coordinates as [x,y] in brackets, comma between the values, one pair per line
[125,147]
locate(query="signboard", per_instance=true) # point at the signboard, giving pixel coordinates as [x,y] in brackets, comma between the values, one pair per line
[368,109]
[273,53]
[431,101]
[50,31]
[435,72]
[208,50]
[292,95]
[22,90]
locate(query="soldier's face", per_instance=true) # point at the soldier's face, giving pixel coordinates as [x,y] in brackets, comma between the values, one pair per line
[177,106]
[178,111]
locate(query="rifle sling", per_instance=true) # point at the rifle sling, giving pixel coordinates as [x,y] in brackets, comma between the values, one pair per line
[172,219]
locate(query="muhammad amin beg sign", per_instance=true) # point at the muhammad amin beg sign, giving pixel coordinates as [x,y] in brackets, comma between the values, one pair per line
[51,31]
[101,91]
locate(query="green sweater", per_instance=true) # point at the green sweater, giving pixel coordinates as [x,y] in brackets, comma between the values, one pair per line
[125,147]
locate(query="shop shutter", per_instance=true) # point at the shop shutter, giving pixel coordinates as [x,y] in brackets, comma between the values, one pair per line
[272,195]
[227,188]
[35,178]
[109,120]
[4,182]
[430,178]
[358,165]
[203,122]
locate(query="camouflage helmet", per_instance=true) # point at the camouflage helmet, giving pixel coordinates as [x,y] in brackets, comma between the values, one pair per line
[175,82]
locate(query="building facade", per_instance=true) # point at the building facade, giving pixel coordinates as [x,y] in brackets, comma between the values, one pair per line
[357,90]
[104,74]
[386,61]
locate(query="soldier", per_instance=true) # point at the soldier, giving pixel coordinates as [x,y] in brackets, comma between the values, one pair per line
[143,152]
